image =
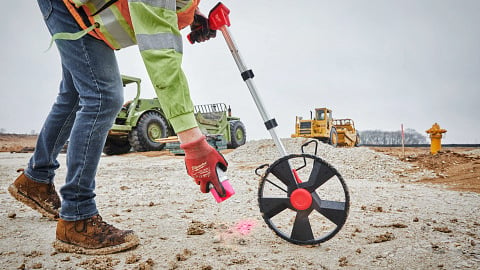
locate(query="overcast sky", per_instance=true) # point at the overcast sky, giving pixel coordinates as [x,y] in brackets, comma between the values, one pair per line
[382,63]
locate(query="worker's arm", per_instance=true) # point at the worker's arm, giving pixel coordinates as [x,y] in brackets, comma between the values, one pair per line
[160,44]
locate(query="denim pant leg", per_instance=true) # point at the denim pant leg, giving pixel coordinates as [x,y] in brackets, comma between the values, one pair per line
[90,96]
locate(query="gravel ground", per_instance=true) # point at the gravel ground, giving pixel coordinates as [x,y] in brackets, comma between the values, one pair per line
[393,223]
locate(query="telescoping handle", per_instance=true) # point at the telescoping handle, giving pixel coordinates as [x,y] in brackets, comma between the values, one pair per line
[218,20]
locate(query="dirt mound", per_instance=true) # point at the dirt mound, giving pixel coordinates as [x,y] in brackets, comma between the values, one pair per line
[455,168]
[18,143]
[458,171]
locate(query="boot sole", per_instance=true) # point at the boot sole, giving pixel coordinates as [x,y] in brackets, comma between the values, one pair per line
[131,241]
[19,196]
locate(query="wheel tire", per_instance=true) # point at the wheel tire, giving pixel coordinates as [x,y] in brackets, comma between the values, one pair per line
[333,137]
[357,140]
[238,134]
[116,146]
[323,140]
[151,126]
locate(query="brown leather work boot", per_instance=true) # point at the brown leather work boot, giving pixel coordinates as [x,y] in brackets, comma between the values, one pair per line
[39,196]
[92,236]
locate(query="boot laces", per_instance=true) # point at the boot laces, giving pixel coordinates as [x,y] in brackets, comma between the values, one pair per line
[98,222]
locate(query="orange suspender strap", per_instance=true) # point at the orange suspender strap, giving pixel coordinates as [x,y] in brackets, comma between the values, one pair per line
[96,31]
[185,15]
[73,10]
[125,10]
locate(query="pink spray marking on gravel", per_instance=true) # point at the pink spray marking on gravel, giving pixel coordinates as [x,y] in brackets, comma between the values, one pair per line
[241,229]
[244,227]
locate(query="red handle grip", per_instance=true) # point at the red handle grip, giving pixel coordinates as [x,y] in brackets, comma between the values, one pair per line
[218,16]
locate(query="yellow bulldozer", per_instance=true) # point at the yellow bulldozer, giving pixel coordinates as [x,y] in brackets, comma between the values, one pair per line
[322,126]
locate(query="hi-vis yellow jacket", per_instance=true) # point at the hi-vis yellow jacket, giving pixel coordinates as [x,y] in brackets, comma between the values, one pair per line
[155,26]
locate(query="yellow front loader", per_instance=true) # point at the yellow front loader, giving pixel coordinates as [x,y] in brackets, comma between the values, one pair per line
[322,126]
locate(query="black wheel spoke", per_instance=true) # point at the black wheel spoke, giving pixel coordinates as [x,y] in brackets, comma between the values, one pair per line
[320,174]
[277,186]
[302,230]
[272,206]
[284,173]
[333,210]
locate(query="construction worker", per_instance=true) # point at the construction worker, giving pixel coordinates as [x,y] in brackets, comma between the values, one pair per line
[90,96]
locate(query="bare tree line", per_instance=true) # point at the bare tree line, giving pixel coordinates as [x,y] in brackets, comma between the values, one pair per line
[376,137]
[4,131]
[380,137]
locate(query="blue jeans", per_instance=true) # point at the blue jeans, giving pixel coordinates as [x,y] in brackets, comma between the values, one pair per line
[89,98]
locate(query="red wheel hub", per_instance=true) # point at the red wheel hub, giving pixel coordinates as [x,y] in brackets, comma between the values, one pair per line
[301,199]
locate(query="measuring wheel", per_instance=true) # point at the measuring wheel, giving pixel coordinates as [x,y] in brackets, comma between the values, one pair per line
[302,198]
[307,205]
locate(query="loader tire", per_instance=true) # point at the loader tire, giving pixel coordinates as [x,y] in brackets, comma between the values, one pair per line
[333,137]
[357,140]
[150,126]
[116,146]
[238,134]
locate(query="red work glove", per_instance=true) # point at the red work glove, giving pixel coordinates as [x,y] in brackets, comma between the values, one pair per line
[201,161]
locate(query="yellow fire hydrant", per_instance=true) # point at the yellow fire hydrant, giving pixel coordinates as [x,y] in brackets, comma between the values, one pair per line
[436,138]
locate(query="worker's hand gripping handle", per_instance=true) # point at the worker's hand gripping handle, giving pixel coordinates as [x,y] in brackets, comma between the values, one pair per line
[201,30]
[207,168]
[217,18]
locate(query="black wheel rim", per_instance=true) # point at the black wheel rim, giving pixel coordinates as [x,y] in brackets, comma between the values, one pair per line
[284,202]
